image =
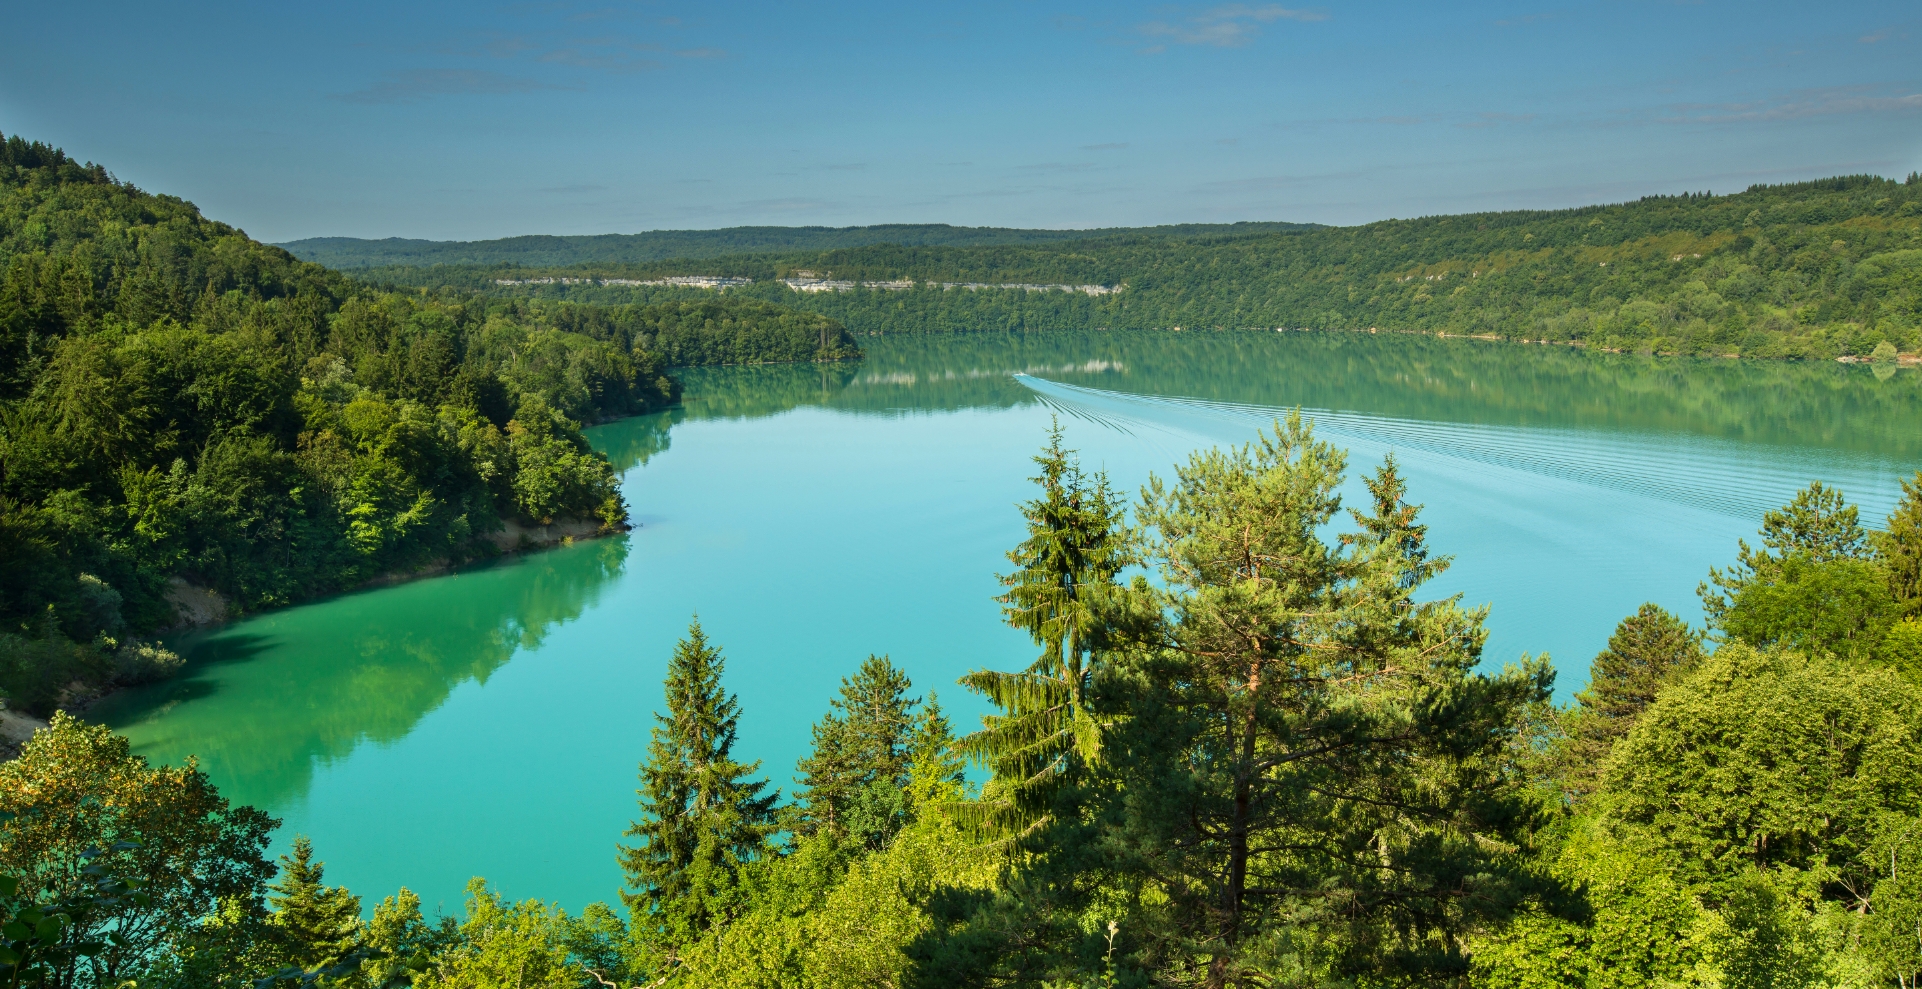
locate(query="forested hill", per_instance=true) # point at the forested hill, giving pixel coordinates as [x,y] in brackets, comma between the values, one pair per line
[354,252]
[1813,269]
[182,404]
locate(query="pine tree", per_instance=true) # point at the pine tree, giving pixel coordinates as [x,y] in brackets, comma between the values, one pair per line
[702,820]
[1066,570]
[857,774]
[1312,758]
[321,924]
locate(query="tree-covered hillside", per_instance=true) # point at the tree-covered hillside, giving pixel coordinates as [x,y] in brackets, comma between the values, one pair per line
[354,252]
[180,403]
[1813,269]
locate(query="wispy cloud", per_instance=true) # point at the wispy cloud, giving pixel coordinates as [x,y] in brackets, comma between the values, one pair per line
[1114,146]
[421,84]
[1492,119]
[1230,26]
[1831,101]
[566,189]
[702,53]
[609,54]
[1882,35]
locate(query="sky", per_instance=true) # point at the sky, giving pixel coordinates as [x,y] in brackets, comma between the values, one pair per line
[480,120]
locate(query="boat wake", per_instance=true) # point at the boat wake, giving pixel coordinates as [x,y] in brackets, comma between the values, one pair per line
[1716,475]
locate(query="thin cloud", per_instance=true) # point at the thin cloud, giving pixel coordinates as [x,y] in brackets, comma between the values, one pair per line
[1869,39]
[1231,26]
[1115,146]
[422,84]
[565,189]
[1256,184]
[1832,101]
[702,53]
[1492,119]
[617,55]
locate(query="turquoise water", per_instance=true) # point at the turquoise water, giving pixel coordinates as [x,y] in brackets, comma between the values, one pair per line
[490,722]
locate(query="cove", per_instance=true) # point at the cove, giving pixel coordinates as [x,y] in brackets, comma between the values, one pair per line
[489,722]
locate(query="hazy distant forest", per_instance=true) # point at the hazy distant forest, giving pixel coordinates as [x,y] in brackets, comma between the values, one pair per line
[1813,269]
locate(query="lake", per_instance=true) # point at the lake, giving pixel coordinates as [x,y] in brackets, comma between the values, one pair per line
[489,722]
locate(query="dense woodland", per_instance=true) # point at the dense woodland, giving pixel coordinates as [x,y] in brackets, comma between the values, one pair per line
[183,406]
[1277,764]
[350,253]
[1814,269]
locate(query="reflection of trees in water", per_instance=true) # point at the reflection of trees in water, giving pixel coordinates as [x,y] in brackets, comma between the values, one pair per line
[632,442]
[323,678]
[1804,403]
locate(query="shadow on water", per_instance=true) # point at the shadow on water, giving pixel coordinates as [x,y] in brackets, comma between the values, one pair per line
[284,692]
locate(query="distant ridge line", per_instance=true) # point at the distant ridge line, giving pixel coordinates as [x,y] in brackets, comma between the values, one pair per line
[547,250]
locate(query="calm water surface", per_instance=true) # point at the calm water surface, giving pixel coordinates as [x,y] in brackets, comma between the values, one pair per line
[489,723]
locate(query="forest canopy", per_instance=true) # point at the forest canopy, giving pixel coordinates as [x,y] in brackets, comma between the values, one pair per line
[1826,268]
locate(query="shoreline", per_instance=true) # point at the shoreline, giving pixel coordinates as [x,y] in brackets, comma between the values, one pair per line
[204,608]
[1900,359]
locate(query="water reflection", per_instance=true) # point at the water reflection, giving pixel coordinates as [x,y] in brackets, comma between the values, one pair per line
[1857,408]
[360,668]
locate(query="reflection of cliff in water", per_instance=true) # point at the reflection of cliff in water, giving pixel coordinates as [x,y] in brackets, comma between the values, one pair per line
[1794,403]
[359,668]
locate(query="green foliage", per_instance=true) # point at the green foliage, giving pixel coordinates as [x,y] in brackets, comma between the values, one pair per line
[703,822]
[1899,546]
[1309,744]
[505,945]
[179,402]
[1294,752]
[1814,269]
[1819,526]
[856,777]
[1649,650]
[320,923]
[352,252]
[1067,566]
[824,920]
[37,942]
[1770,759]
[76,790]
[1840,606]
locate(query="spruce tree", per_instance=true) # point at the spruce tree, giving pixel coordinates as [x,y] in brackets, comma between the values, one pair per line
[1899,547]
[320,924]
[702,820]
[857,775]
[935,770]
[1065,573]
[1648,651]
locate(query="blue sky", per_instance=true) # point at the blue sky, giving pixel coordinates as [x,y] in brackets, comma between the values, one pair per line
[474,120]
